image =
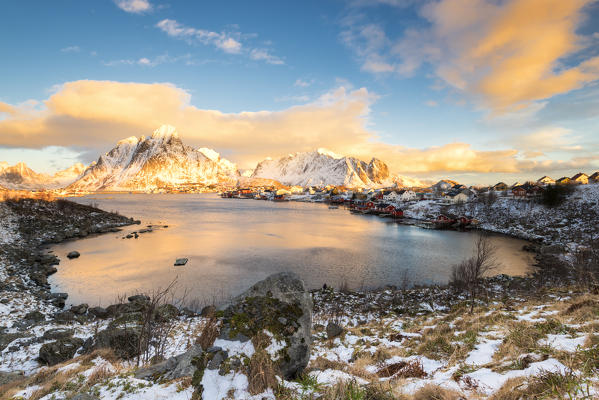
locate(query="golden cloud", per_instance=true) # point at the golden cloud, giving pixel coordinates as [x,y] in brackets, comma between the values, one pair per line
[509,53]
[95,114]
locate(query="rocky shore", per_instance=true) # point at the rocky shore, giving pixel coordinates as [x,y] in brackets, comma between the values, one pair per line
[526,337]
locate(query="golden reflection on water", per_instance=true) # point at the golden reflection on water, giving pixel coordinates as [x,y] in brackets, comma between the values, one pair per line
[231,244]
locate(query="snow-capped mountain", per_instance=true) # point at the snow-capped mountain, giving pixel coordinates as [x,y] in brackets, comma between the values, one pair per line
[20,176]
[323,167]
[162,160]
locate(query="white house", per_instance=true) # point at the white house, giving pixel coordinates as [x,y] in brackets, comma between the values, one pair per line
[461,196]
[408,195]
[392,197]
[546,181]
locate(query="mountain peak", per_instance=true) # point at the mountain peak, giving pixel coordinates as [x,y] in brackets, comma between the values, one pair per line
[129,140]
[326,152]
[165,132]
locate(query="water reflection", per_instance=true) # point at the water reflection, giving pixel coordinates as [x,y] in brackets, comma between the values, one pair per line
[231,244]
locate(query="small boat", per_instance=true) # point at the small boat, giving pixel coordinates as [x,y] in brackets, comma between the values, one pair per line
[333,207]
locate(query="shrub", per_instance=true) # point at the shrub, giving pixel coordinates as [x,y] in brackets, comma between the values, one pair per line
[555,195]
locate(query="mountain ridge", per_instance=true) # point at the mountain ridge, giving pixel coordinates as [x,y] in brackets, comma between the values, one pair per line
[20,176]
[323,167]
[160,161]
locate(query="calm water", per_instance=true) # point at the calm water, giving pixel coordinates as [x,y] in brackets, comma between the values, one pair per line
[233,243]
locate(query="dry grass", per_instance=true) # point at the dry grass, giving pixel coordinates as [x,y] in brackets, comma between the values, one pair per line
[403,369]
[52,380]
[546,385]
[434,392]
[520,338]
[509,390]
[321,363]
[9,194]
[209,333]
[262,373]
[350,390]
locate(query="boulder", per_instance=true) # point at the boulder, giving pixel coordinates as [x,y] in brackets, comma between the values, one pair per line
[123,341]
[80,309]
[262,307]
[59,351]
[64,316]
[98,312]
[333,330]
[140,298]
[57,333]
[175,367]
[166,312]
[34,316]
[73,254]
[8,338]
[47,259]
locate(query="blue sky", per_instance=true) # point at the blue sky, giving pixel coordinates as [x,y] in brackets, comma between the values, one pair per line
[403,80]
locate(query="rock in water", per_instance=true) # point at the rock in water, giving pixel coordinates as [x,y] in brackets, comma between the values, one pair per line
[180,261]
[73,254]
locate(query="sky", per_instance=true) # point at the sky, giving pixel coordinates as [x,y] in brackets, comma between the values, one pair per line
[475,90]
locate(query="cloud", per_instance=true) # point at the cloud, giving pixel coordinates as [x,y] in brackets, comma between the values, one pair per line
[303,83]
[228,42]
[70,49]
[264,55]
[221,40]
[551,139]
[505,55]
[134,6]
[147,62]
[96,114]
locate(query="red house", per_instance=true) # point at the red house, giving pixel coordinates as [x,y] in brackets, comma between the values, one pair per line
[444,219]
[519,192]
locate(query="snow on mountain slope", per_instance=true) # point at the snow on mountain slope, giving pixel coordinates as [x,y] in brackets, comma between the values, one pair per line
[69,175]
[20,176]
[161,160]
[323,167]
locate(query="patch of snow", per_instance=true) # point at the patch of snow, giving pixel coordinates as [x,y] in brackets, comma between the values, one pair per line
[235,347]
[563,342]
[490,381]
[332,376]
[483,352]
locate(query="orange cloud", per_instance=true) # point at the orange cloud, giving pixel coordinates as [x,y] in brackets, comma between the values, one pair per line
[508,53]
[95,114]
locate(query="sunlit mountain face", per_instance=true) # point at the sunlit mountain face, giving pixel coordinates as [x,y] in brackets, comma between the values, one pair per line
[477,91]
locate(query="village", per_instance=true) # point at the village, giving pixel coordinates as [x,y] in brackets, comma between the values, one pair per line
[393,202]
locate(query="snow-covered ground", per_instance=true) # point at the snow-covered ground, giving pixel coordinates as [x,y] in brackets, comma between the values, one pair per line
[571,224]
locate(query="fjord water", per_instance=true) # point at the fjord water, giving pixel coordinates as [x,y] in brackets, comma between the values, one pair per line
[233,243]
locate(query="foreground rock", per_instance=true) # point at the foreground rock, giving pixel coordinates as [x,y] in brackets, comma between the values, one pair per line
[59,351]
[265,332]
[261,334]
